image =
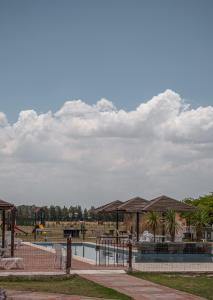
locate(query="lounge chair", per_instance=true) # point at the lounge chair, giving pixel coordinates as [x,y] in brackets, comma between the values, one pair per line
[8,263]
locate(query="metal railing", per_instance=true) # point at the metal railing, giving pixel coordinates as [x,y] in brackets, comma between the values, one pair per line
[112,251]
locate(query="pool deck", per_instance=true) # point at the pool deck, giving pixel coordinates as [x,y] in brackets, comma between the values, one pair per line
[41,260]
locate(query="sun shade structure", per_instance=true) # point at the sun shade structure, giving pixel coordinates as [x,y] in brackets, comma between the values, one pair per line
[109,207]
[6,206]
[139,205]
[135,204]
[164,203]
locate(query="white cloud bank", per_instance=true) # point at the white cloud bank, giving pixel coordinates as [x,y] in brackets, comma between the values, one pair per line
[89,154]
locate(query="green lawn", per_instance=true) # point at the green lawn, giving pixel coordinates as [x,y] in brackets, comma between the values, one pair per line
[71,285]
[201,285]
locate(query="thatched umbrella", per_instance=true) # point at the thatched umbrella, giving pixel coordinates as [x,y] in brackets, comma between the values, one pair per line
[164,203]
[110,208]
[134,205]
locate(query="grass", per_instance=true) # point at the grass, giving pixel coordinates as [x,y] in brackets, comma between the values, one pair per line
[200,285]
[71,285]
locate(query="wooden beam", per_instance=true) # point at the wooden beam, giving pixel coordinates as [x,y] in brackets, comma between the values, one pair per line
[3,228]
[137,226]
[13,218]
[117,225]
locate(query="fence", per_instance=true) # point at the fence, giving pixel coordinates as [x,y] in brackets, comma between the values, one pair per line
[113,251]
[38,257]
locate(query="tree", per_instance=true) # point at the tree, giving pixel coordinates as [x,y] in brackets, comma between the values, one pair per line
[205,203]
[52,213]
[200,220]
[153,220]
[85,215]
[171,223]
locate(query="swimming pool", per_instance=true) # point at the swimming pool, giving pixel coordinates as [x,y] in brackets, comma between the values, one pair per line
[103,255]
[112,255]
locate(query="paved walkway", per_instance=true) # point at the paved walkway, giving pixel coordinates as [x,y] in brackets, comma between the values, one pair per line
[22,295]
[140,289]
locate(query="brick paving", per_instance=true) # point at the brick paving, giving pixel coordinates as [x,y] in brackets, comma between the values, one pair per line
[38,260]
[140,289]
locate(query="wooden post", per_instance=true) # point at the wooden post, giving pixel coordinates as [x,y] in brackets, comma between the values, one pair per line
[137,225]
[3,228]
[69,255]
[130,254]
[35,224]
[117,220]
[13,218]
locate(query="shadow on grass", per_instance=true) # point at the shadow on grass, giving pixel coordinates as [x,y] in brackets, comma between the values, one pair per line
[70,285]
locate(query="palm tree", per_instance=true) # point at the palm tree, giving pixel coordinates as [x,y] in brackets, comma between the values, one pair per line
[153,220]
[200,219]
[171,223]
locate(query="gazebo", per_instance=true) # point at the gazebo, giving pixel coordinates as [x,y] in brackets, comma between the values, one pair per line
[4,207]
[165,203]
[140,205]
[134,205]
[110,208]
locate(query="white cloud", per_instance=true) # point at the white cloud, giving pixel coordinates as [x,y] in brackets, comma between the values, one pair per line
[91,153]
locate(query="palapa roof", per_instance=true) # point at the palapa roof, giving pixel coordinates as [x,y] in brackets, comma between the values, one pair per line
[164,203]
[109,207]
[5,205]
[135,204]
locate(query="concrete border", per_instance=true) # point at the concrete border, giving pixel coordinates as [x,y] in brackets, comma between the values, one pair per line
[174,267]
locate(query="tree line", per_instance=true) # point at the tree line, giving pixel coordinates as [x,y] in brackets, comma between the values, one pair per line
[26,213]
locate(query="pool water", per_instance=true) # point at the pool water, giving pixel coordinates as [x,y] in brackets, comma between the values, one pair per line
[104,255]
[110,255]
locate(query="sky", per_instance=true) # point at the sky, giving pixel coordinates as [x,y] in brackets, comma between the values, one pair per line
[104,100]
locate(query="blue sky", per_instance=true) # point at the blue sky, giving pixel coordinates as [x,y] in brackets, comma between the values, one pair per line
[126,51]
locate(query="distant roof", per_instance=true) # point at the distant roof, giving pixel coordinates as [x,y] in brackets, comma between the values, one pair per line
[164,203]
[135,204]
[109,207]
[5,205]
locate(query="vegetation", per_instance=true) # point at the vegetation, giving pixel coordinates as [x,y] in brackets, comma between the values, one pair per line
[200,285]
[71,285]
[26,214]
[171,223]
[153,220]
[203,216]
[200,220]
[204,203]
